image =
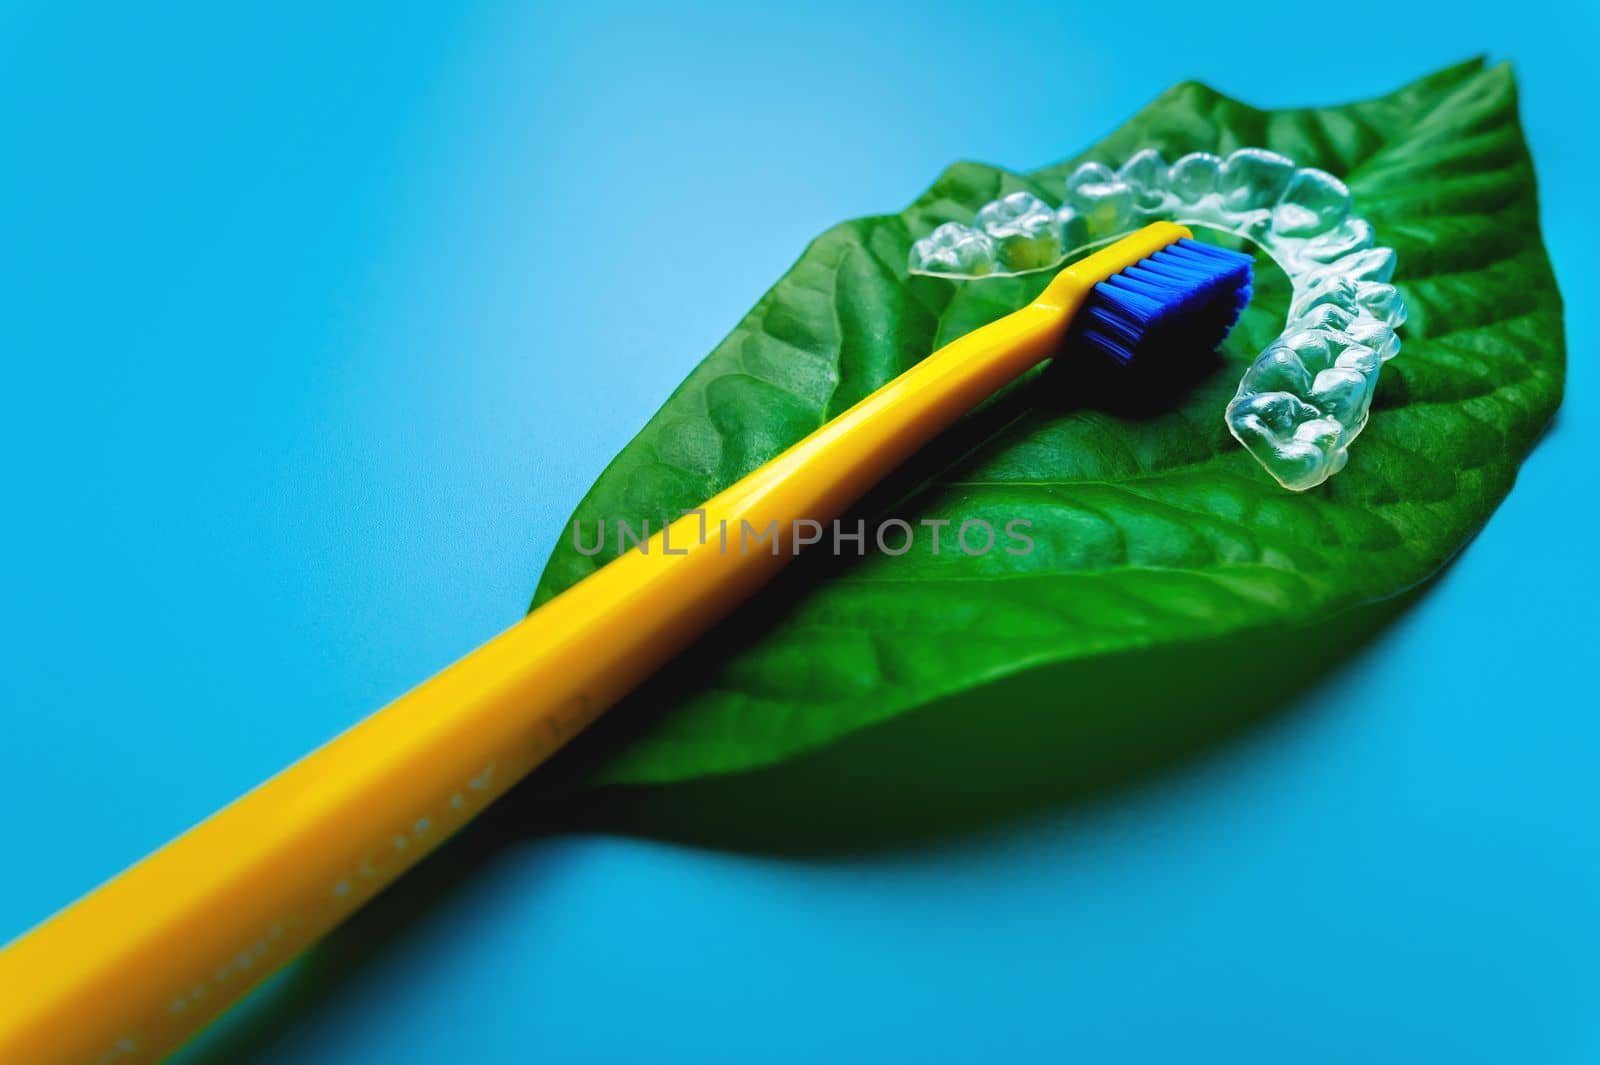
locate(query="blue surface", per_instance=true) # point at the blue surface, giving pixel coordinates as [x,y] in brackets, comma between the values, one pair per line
[319,318]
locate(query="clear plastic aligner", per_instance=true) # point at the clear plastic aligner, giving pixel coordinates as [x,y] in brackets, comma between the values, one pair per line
[1306,397]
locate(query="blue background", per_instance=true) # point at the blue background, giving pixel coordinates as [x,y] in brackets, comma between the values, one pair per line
[317,319]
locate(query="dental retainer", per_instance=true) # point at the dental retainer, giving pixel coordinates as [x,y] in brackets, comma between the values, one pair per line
[1306,397]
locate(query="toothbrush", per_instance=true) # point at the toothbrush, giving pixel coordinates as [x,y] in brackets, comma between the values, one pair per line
[142,963]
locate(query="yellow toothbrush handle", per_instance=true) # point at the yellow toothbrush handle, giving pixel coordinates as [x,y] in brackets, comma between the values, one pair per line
[139,965]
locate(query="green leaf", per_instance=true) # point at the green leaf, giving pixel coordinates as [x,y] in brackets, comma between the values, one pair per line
[1167,565]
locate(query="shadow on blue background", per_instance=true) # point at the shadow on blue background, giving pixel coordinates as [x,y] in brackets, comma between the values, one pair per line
[318,322]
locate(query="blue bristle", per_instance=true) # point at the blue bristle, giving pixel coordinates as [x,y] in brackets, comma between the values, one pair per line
[1183,299]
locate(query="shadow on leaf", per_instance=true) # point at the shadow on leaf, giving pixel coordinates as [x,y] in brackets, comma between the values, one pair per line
[1021,746]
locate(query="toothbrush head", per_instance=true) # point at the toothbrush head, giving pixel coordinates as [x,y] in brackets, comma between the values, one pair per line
[1180,300]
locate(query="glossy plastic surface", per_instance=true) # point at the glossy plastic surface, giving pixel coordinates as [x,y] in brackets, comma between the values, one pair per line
[133,969]
[1306,397]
